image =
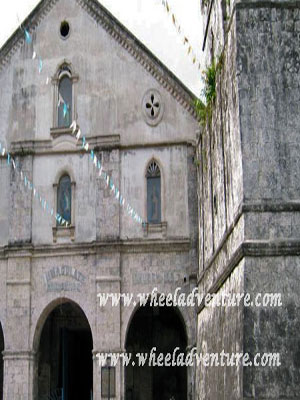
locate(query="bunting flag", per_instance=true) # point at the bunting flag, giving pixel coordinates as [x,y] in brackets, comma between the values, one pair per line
[40,65]
[108,180]
[30,186]
[65,109]
[45,204]
[28,39]
[190,51]
[60,100]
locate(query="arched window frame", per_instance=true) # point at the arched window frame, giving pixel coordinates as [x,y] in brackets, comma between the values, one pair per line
[64,70]
[153,171]
[59,187]
[59,230]
[151,228]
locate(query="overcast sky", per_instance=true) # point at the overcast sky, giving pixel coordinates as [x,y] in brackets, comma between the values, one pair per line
[148,20]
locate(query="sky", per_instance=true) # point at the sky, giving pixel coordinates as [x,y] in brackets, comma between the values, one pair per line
[149,21]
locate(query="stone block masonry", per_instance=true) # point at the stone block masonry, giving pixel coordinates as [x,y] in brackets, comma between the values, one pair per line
[249,197]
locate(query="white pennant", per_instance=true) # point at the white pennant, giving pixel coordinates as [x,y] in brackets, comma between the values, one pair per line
[78,135]
[73,126]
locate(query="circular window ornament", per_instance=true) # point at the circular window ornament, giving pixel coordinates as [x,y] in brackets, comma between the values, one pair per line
[64,30]
[152,107]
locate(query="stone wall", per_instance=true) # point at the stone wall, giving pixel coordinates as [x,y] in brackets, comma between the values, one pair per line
[221,225]
[268,65]
[219,329]
[219,153]
[248,198]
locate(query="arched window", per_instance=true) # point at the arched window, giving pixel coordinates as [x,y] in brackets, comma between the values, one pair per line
[64,102]
[153,193]
[64,198]
[64,89]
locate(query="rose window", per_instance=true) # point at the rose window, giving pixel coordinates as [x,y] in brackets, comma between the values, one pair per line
[152,107]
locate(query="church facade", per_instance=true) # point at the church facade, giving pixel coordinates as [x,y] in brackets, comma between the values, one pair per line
[73,61]
[134,197]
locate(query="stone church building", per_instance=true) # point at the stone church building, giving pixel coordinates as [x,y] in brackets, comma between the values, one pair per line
[75,61]
[220,205]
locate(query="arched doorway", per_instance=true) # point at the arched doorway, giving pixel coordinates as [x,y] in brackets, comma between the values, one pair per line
[65,366]
[159,327]
[1,361]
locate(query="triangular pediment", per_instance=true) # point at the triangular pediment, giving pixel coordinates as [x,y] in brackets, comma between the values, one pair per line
[119,33]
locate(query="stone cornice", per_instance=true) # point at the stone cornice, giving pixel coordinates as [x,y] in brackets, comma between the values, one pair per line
[43,147]
[267,4]
[247,248]
[265,206]
[251,248]
[18,282]
[97,143]
[116,30]
[262,206]
[97,247]
[27,355]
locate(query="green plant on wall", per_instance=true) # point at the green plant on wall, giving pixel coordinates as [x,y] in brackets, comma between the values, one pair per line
[200,109]
[209,90]
[203,111]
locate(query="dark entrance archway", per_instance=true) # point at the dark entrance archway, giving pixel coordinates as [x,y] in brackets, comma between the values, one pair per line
[65,366]
[1,362]
[159,327]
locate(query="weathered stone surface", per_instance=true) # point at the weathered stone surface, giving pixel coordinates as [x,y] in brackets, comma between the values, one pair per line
[109,253]
[249,197]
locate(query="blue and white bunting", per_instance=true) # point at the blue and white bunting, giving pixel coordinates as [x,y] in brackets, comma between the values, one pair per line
[29,185]
[108,180]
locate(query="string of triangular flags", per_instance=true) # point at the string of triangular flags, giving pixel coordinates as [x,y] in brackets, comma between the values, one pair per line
[46,207]
[108,180]
[35,56]
[186,42]
[28,40]
[85,145]
[30,186]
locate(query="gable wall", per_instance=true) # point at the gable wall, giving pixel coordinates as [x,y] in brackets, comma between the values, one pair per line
[108,98]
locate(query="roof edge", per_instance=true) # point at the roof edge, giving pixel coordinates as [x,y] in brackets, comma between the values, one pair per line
[17,39]
[120,33]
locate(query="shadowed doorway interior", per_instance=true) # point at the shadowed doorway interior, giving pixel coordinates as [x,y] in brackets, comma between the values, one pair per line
[65,367]
[159,327]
